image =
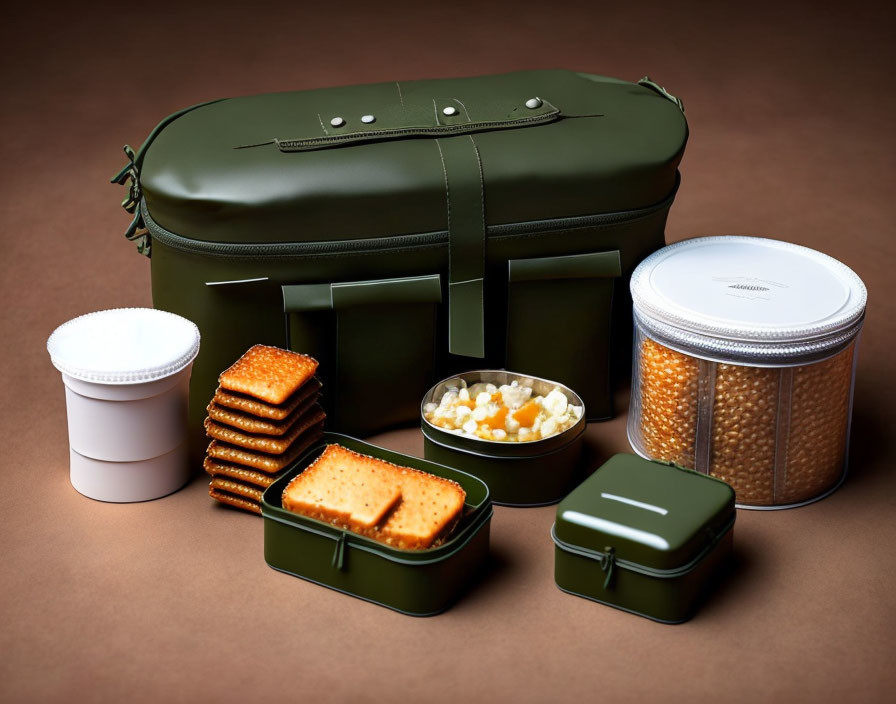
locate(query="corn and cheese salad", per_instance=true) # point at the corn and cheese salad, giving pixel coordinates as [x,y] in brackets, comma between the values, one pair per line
[507,413]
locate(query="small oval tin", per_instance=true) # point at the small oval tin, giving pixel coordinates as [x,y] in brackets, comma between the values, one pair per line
[534,473]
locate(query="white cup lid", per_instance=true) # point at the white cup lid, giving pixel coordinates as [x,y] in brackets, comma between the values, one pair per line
[124,345]
[759,294]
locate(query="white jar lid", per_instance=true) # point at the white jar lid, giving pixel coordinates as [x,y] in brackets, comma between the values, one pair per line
[124,345]
[748,298]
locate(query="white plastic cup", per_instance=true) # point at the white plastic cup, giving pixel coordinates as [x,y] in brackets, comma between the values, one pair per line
[127,422]
[126,374]
[121,482]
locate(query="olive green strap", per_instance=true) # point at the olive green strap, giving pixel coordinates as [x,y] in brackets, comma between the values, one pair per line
[464,194]
[432,117]
[348,137]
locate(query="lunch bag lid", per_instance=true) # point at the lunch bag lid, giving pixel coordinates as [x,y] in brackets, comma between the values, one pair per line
[364,161]
[652,514]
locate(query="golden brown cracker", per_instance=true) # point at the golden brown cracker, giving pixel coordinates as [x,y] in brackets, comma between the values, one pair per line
[261,461]
[427,510]
[228,470]
[235,501]
[429,507]
[254,425]
[268,373]
[269,444]
[260,409]
[237,488]
[353,490]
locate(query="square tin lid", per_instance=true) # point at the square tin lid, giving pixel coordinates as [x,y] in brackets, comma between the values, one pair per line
[652,514]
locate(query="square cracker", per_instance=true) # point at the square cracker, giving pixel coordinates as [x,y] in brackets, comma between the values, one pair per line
[235,501]
[428,509]
[269,444]
[268,373]
[254,407]
[218,468]
[261,461]
[354,491]
[257,426]
[237,488]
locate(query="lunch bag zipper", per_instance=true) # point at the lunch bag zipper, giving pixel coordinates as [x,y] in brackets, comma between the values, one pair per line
[393,243]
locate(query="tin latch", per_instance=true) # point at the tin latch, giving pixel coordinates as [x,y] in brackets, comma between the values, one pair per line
[607,563]
[339,553]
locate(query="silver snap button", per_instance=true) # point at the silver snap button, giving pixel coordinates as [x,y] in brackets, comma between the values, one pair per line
[450,111]
[337,122]
[367,119]
[533,103]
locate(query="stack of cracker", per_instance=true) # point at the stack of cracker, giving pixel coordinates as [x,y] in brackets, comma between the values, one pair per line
[399,506]
[263,416]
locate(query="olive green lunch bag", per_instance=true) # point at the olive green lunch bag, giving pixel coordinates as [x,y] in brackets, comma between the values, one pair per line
[401,232]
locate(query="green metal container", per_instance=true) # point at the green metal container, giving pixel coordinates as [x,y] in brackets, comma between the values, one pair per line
[401,232]
[534,473]
[413,582]
[645,537]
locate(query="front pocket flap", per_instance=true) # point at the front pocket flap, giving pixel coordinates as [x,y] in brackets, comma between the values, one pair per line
[335,296]
[574,266]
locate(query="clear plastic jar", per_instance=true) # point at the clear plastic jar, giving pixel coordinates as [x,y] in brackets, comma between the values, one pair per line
[744,359]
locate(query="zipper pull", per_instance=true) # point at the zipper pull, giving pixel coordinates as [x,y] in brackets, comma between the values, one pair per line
[129,173]
[136,231]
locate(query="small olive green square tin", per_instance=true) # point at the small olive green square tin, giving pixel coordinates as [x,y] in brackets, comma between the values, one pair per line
[413,582]
[535,473]
[645,537]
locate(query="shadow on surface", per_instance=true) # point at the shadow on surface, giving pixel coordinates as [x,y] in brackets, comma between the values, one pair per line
[497,570]
[741,573]
[870,435]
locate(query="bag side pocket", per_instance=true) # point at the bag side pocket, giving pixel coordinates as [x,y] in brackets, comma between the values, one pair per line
[375,341]
[559,315]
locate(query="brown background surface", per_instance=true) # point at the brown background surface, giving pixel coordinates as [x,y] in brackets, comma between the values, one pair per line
[791,114]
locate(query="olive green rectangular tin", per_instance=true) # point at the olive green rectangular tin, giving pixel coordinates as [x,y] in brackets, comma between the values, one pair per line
[645,537]
[534,473]
[413,582]
[285,219]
